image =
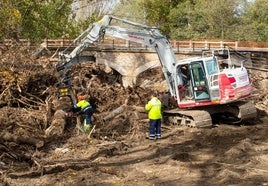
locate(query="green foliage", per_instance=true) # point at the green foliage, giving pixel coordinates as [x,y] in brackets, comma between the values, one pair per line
[180,19]
[35,20]
[131,10]
[10,19]
[48,19]
[204,19]
[157,12]
[83,25]
[220,17]
[255,21]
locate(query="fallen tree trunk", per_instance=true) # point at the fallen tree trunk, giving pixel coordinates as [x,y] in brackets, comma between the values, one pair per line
[138,109]
[121,109]
[6,136]
[57,125]
[53,168]
[114,113]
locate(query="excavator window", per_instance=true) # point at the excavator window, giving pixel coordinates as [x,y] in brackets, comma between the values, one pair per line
[212,66]
[200,86]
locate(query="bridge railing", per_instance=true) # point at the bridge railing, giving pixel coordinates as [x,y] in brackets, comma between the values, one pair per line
[108,43]
[124,44]
[177,45]
[192,45]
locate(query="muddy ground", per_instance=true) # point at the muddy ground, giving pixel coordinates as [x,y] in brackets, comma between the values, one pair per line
[117,151]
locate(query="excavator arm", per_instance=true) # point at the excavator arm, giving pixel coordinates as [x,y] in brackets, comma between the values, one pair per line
[149,36]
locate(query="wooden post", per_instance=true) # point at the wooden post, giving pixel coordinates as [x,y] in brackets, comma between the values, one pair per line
[46,43]
[61,42]
[128,44]
[221,44]
[190,44]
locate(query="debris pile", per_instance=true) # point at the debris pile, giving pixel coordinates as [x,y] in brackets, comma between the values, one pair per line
[29,109]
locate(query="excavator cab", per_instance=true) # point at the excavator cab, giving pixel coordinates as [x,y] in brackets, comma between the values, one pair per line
[198,80]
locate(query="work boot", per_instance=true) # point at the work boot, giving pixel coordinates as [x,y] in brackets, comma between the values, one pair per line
[151,137]
[158,136]
[87,127]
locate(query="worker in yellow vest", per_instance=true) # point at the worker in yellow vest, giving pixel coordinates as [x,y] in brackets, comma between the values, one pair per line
[153,107]
[84,107]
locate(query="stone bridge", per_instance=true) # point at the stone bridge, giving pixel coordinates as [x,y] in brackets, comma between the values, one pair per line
[130,58]
[128,63]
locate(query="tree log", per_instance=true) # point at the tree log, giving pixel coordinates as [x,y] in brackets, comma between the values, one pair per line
[122,108]
[114,113]
[6,136]
[57,125]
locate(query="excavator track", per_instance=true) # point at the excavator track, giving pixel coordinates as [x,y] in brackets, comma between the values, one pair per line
[235,112]
[191,118]
[232,113]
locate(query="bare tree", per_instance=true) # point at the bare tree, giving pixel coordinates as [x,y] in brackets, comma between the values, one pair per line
[83,9]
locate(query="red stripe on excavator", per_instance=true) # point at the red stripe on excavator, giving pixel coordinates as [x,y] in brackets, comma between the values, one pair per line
[195,104]
[226,89]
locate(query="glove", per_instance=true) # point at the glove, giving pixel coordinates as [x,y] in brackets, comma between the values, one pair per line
[69,115]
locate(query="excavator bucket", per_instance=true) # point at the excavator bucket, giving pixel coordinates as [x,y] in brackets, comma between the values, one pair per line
[67,91]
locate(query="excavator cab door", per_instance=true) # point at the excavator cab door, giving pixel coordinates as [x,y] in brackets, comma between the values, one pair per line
[199,81]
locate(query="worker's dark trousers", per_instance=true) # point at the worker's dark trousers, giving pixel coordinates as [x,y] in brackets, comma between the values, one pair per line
[155,129]
[88,113]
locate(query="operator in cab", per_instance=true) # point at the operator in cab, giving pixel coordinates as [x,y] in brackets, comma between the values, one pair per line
[85,108]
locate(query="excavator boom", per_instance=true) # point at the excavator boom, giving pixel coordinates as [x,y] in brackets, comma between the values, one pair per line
[149,36]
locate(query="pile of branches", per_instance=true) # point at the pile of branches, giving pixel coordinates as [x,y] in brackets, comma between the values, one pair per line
[118,111]
[260,97]
[28,88]
[24,81]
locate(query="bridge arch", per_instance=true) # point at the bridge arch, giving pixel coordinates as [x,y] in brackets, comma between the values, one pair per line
[128,64]
[146,66]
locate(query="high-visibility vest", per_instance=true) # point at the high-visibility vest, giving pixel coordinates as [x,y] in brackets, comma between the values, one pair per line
[154,108]
[83,104]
